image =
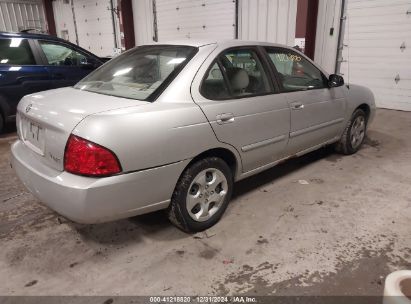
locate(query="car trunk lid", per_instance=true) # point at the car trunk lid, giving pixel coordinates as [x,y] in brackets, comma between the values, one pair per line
[45,120]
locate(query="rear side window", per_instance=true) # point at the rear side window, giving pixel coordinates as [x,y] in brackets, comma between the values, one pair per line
[238,74]
[16,51]
[58,54]
[214,85]
[295,72]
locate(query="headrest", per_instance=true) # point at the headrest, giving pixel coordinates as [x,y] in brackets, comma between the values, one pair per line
[238,78]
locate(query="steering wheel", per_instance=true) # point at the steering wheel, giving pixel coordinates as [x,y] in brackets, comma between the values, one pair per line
[313,82]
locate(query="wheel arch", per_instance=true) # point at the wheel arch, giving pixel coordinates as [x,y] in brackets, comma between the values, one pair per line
[225,154]
[360,97]
[366,108]
[232,159]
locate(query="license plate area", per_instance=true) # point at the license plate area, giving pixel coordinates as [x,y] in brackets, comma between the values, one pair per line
[33,135]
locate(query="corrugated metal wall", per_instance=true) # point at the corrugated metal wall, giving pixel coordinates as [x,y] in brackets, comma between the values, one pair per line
[268,20]
[17,15]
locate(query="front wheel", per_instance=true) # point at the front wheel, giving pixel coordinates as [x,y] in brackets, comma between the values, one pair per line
[201,195]
[354,134]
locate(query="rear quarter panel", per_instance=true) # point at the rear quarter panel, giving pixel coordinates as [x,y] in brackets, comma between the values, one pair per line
[151,136]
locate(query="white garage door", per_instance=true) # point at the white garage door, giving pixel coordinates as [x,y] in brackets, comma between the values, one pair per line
[378,35]
[204,19]
[95,26]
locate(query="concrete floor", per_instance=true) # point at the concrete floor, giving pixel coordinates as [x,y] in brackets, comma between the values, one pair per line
[340,234]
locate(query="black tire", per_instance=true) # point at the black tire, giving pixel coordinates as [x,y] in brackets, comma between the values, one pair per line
[1,124]
[344,146]
[177,211]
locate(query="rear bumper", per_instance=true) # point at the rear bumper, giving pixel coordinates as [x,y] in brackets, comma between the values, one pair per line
[94,200]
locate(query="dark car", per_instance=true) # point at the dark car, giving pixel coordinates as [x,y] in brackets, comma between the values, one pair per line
[32,63]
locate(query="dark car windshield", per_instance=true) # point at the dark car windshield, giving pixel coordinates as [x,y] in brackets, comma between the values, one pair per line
[139,73]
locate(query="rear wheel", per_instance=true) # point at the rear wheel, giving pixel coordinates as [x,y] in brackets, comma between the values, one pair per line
[354,133]
[201,195]
[1,123]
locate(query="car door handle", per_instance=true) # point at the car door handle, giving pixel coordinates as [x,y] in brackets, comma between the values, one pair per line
[58,76]
[33,77]
[225,118]
[297,106]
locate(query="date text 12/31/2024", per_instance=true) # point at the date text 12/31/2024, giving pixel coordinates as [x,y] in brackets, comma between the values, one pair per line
[203,299]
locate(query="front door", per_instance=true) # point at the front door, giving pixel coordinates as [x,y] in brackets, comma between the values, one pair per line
[317,111]
[66,65]
[241,104]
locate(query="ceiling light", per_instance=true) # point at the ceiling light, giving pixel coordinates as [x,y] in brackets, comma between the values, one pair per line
[15,42]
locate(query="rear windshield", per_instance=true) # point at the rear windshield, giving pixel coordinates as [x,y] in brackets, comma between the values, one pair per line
[141,73]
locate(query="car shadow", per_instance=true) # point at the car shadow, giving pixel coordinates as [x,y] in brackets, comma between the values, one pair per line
[292,165]
[157,226]
[122,232]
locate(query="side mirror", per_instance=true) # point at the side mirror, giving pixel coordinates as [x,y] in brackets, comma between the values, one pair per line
[335,81]
[87,63]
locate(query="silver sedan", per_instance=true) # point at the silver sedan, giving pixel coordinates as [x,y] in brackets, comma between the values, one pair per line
[173,126]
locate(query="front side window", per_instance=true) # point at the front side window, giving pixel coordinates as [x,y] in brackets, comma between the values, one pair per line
[16,51]
[242,73]
[138,73]
[295,72]
[58,54]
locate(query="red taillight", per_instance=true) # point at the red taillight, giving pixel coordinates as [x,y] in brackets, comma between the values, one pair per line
[83,157]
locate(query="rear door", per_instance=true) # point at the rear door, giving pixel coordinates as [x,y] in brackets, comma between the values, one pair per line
[20,72]
[66,64]
[237,95]
[317,111]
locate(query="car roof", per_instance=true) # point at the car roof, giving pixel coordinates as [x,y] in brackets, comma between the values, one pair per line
[220,43]
[226,44]
[30,35]
[187,42]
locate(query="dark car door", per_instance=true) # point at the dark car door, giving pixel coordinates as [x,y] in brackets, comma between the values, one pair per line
[66,63]
[20,73]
